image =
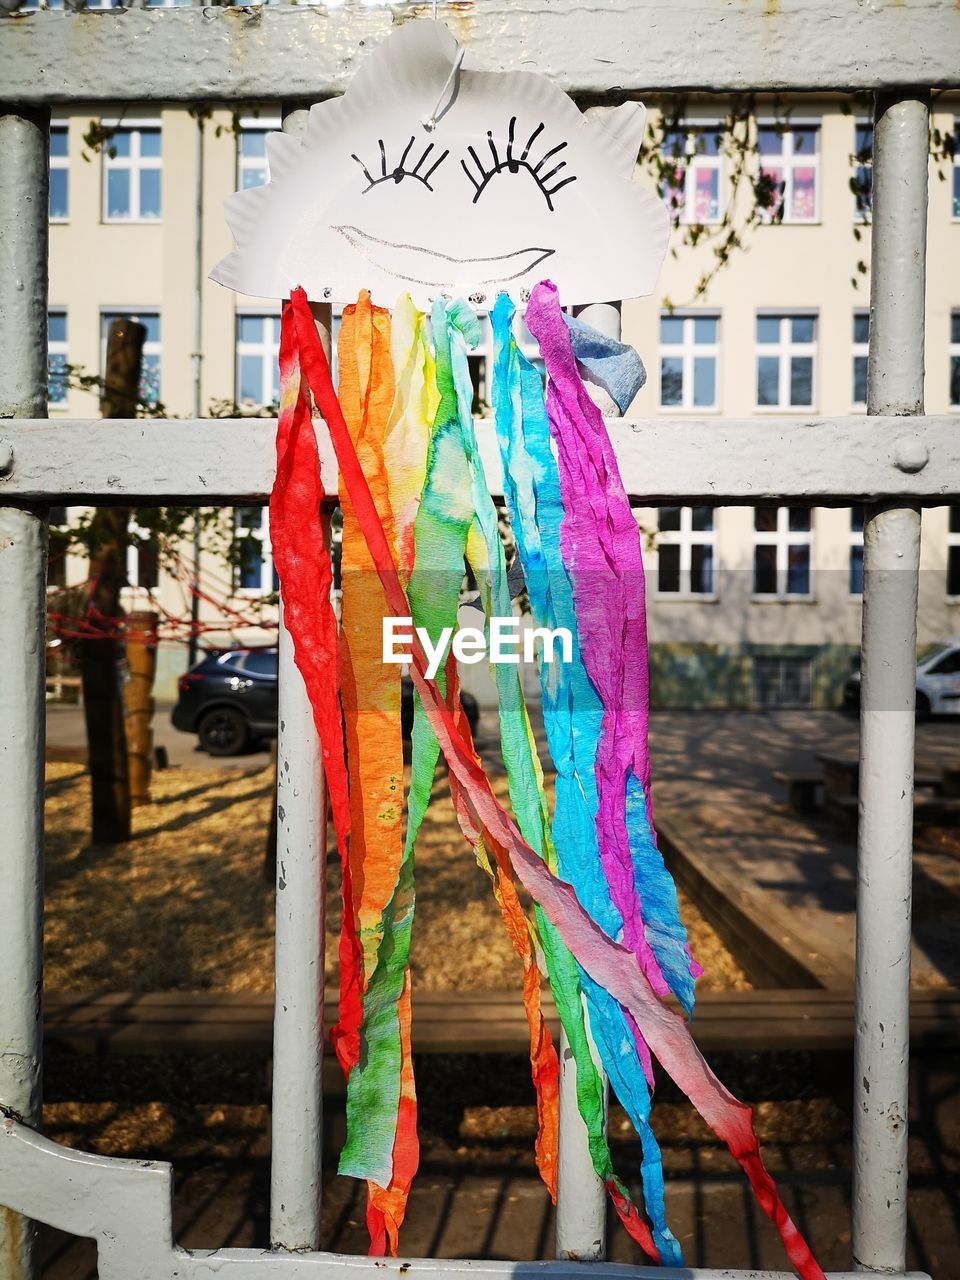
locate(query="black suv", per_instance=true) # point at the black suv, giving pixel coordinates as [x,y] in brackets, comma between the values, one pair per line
[229,700]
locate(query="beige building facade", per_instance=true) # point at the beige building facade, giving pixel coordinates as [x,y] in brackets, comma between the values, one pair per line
[745,607]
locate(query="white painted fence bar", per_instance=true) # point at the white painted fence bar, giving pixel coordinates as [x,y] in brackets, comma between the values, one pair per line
[839,460]
[891,564]
[601,48]
[296,1114]
[24,175]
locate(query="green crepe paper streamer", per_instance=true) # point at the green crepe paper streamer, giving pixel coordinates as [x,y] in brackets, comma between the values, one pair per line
[440,532]
[525,782]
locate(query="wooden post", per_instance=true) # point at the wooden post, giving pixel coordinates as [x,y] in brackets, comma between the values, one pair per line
[138,701]
[100,652]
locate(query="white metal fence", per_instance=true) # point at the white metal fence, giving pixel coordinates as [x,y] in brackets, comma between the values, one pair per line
[893,462]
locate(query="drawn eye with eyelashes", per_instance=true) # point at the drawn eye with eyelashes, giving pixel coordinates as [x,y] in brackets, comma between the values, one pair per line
[398,172]
[538,164]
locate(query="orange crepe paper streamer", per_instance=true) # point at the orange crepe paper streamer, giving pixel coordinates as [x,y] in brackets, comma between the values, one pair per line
[371,705]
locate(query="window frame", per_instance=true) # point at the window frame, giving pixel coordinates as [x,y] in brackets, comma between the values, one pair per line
[858,350]
[60,163]
[862,213]
[254,124]
[268,571]
[955,192]
[687,350]
[787,161]
[686,538]
[151,347]
[953,542]
[783,537]
[266,352]
[138,539]
[953,354]
[785,352]
[855,542]
[692,160]
[58,348]
[134,164]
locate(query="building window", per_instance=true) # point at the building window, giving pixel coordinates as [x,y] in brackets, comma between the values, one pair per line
[143,558]
[252,168]
[955,359]
[956,170]
[689,349]
[258,373]
[856,551]
[781,552]
[57,358]
[59,173]
[253,557]
[861,349]
[782,682]
[861,180]
[786,349]
[481,358]
[693,166]
[953,554]
[132,172]
[790,161]
[685,551]
[150,366]
[57,547]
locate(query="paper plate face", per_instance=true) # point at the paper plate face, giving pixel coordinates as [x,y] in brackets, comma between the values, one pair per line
[416,181]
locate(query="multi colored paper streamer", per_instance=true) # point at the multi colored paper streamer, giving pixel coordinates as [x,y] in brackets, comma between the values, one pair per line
[626,957]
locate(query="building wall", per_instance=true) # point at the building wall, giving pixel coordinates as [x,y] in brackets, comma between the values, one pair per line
[704,651]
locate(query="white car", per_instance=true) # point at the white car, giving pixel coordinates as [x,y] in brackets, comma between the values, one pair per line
[938,682]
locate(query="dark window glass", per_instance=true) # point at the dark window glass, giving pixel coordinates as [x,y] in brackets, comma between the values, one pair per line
[955,325]
[802,328]
[701,569]
[955,379]
[798,519]
[148,566]
[798,570]
[59,193]
[856,519]
[671,329]
[702,518]
[955,519]
[768,328]
[953,571]
[859,379]
[671,380]
[856,571]
[948,665]
[668,578]
[801,380]
[765,571]
[861,326]
[669,519]
[768,380]
[261,662]
[765,519]
[250,562]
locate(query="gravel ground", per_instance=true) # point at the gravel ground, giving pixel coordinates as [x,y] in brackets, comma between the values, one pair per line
[184,905]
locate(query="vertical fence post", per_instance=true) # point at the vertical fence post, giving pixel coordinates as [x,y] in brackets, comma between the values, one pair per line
[891,562]
[581,1231]
[297,1102]
[24,177]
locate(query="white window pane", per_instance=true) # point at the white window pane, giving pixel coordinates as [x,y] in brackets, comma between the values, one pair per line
[151,322]
[803,202]
[704,381]
[253,142]
[801,328]
[705,329]
[57,379]
[58,141]
[59,193]
[801,380]
[671,380]
[706,194]
[671,329]
[250,328]
[805,141]
[250,380]
[57,326]
[118,193]
[150,144]
[253,177]
[150,379]
[768,328]
[768,380]
[118,144]
[769,142]
[150,193]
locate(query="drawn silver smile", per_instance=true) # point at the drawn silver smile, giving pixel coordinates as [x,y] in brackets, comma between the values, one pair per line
[441,270]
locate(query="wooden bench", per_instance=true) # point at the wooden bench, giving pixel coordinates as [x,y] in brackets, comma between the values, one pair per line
[468,1022]
[804,790]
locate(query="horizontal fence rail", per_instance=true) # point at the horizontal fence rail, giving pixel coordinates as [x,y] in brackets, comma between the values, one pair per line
[203,461]
[603,49]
